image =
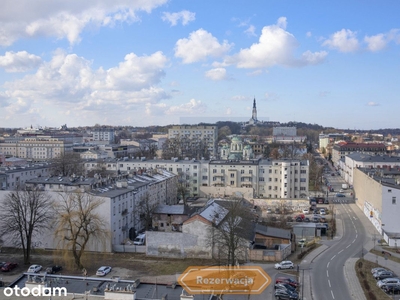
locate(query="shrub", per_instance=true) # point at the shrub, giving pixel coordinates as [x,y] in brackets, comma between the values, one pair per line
[360,264]
[362,274]
[371,296]
[366,285]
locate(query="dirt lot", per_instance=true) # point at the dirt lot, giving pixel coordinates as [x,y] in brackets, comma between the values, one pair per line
[127,266]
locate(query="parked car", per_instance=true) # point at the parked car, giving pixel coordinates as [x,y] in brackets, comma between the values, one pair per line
[282,294]
[298,219]
[53,269]
[378,269]
[302,243]
[306,211]
[286,264]
[322,211]
[386,281]
[269,211]
[285,286]
[103,271]
[383,275]
[34,269]
[287,280]
[391,289]
[306,220]
[2,264]
[7,267]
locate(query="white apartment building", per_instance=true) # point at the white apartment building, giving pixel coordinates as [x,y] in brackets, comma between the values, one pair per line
[120,207]
[37,149]
[197,132]
[361,160]
[103,135]
[255,178]
[377,194]
[284,131]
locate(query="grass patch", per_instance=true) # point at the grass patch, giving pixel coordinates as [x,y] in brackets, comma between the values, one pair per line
[389,257]
[367,281]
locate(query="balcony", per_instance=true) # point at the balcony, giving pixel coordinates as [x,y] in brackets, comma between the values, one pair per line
[124,212]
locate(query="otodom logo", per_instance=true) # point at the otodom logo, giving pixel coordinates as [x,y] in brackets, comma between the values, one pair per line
[224,280]
[38,291]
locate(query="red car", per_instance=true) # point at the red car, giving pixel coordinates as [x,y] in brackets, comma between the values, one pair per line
[8,267]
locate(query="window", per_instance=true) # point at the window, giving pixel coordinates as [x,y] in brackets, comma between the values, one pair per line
[214,171]
[250,171]
[303,171]
[303,179]
[232,175]
[389,191]
[261,179]
[394,200]
[241,171]
[232,182]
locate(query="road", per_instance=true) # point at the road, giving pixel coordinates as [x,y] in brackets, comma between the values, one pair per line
[328,281]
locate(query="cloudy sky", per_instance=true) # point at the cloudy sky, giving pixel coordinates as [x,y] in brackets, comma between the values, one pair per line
[159,62]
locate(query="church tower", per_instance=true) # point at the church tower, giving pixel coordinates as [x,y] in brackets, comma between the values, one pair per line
[254,113]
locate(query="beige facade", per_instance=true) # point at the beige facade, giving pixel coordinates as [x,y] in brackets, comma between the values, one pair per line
[207,133]
[37,148]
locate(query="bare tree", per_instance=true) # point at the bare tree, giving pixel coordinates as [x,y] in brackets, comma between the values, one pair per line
[67,164]
[182,146]
[77,223]
[25,214]
[183,186]
[231,235]
[146,208]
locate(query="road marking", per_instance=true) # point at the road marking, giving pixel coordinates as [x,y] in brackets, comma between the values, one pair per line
[328,264]
[356,235]
[327,273]
[333,257]
[347,246]
[353,241]
[332,294]
[329,282]
[340,251]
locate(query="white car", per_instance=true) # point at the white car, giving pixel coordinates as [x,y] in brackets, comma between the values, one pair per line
[322,211]
[103,271]
[34,268]
[286,264]
[306,211]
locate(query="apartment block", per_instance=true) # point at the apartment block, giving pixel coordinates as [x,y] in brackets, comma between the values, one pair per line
[197,132]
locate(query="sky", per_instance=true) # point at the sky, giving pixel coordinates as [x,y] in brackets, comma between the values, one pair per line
[159,62]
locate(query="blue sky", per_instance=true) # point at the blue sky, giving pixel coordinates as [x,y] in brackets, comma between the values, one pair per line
[158,62]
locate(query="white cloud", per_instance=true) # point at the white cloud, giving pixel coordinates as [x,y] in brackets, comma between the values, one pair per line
[376,42]
[251,31]
[276,46]
[200,45]
[344,40]
[69,83]
[228,111]
[191,107]
[162,109]
[308,34]
[216,74]
[65,19]
[240,98]
[185,16]
[19,61]
[371,103]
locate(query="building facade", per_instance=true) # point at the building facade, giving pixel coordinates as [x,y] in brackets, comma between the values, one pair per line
[197,132]
[339,151]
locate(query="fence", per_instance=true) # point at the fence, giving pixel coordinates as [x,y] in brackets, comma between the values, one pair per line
[129,248]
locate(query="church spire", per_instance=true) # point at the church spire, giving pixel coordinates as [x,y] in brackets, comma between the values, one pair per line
[254,113]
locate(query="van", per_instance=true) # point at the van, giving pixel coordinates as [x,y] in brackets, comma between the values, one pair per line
[140,239]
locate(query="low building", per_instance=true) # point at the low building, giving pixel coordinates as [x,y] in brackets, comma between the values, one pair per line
[170,217]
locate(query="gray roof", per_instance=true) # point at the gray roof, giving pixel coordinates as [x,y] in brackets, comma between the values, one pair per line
[357,156]
[172,209]
[273,231]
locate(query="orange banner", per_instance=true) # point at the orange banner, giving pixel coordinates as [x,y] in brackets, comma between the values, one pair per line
[224,280]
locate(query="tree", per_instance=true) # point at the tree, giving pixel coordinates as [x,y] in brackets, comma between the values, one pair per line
[24,215]
[224,132]
[77,223]
[67,164]
[146,209]
[230,236]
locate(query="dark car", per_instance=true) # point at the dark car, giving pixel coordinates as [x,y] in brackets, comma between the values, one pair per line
[306,220]
[2,264]
[391,289]
[287,280]
[8,267]
[53,269]
[282,294]
[285,286]
[298,219]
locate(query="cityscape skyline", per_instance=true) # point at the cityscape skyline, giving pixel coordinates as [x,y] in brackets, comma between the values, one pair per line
[158,62]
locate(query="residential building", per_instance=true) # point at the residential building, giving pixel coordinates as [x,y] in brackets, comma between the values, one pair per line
[377,194]
[355,160]
[285,178]
[170,218]
[340,150]
[17,176]
[209,134]
[101,134]
[37,149]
